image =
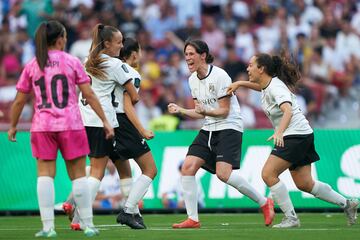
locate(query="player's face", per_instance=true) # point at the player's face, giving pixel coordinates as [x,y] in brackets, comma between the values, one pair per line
[253,70]
[192,58]
[113,47]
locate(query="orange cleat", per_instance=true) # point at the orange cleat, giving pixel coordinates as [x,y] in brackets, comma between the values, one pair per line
[268,211]
[75,226]
[188,223]
[69,210]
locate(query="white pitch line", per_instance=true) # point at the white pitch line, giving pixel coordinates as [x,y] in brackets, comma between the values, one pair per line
[200,229]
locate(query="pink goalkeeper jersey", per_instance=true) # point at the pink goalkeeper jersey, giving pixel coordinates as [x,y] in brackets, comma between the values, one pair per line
[56,103]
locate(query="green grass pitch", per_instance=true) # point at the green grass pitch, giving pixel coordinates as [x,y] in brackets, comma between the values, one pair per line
[331,226]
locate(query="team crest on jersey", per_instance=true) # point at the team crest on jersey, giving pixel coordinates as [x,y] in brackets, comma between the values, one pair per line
[211,88]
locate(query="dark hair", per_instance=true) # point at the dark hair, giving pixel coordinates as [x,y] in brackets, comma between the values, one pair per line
[200,47]
[130,45]
[46,35]
[281,67]
[93,65]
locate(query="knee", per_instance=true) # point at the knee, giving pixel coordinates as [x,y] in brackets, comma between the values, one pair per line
[188,169]
[154,172]
[305,186]
[223,176]
[151,172]
[269,178]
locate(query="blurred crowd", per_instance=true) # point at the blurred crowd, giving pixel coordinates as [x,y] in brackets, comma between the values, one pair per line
[322,36]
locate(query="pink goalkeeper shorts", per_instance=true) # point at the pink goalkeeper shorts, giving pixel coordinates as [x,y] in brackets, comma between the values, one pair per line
[72,144]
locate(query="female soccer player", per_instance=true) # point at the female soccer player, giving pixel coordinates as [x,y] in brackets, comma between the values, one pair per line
[106,72]
[293,137]
[217,147]
[57,125]
[130,141]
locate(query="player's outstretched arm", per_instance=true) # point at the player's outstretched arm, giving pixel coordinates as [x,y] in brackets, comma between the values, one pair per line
[235,85]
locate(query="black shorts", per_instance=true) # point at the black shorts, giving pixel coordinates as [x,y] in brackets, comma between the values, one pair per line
[298,150]
[128,141]
[99,145]
[225,146]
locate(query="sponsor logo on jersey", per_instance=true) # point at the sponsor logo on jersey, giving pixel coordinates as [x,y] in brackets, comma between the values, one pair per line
[208,101]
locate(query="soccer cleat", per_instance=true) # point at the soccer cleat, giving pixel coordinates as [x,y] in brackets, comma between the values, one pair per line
[91,231]
[75,226]
[188,223]
[69,210]
[268,211]
[288,222]
[351,211]
[128,219]
[46,234]
[140,220]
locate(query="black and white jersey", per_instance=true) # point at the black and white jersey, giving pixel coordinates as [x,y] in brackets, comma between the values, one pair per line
[116,76]
[208,91]
[277,93]
[118,101]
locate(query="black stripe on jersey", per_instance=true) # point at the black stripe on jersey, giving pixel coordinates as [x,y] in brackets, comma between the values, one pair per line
[285,102]
[211,68]
[267,84]
[127,81]
[224,97]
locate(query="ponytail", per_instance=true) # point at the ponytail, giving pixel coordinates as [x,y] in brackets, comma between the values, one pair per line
[46,35]
[41,50]
[286,71]
[281,67]
[94,65]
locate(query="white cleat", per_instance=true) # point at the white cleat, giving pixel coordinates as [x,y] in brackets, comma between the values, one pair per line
[46,234]
[91,231]
[351,211]
[288,222]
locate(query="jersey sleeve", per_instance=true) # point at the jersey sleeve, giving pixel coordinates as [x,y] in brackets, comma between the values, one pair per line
[223,83]
[80,74]
[281,94]
[24,84]
[121,74]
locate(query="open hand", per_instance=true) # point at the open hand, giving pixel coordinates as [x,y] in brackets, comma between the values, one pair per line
[278,139]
